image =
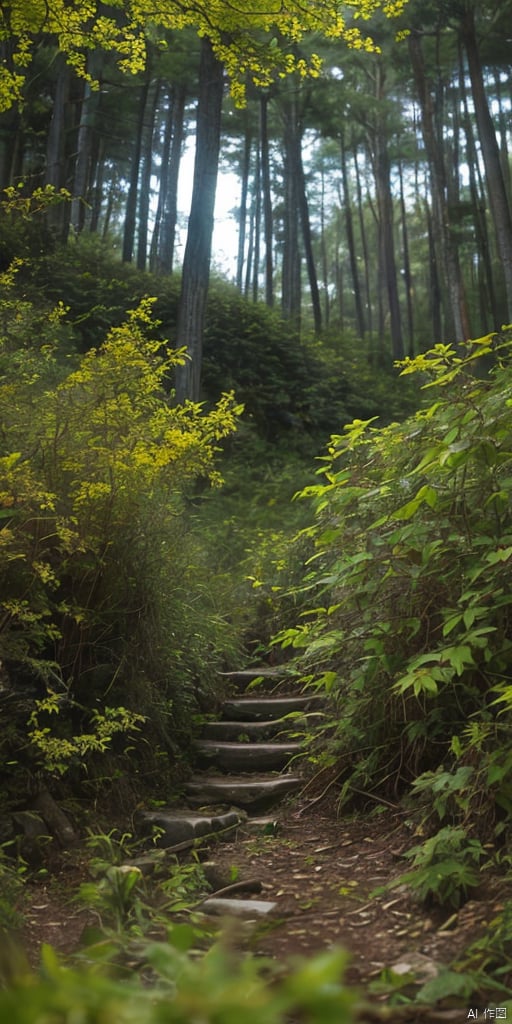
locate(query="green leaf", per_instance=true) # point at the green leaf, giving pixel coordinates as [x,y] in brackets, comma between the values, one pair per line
[447,983]
[460,657]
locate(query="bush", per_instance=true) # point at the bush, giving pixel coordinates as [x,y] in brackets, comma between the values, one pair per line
[411,625]
[297,391]
[220,988]
[104,622]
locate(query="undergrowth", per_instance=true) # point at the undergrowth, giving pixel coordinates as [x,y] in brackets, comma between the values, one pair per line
[408,622]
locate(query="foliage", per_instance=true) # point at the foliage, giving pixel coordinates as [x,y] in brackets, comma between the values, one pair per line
[304,391]
[249,43]
[12,877]
[444,867]
[96,612]
[409,619]
[295,393]
[219,988]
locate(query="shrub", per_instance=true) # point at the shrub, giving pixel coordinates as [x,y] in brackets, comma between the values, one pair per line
[219,988]
[97,616]
[411,629]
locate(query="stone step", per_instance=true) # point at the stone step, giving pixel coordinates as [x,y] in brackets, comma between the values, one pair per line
[230,731]
[250,792]
[246,757]
[260,730]
[250,709]
[264,677]
[180,826]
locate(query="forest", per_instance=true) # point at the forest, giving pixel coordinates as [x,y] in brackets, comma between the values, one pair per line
[283,438]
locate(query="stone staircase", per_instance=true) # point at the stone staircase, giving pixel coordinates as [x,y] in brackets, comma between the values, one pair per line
[245,759]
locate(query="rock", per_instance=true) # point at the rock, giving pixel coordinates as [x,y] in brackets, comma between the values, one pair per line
[216,876]
[265,708]
[422,967]
[249,792]
[247,731]
[32,836]
[249,909]
[246,757]
[260,827]
[56,820]
[182,825]
[264,677]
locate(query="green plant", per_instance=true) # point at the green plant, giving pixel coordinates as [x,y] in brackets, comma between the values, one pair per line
[444,867]
[408,621]
[98,612]
[221,987]
[12,878]
[119,892]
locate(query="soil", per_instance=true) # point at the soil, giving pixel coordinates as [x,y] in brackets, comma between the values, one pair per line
[322,873]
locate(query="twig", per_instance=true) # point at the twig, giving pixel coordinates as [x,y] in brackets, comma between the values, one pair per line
[317,799]
[251,885]
[378,799]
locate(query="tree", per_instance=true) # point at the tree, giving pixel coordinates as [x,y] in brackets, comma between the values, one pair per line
[249,45]
[248,42]
[196,261]
[498,199]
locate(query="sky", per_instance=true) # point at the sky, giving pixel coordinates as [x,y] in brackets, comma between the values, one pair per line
[225,235]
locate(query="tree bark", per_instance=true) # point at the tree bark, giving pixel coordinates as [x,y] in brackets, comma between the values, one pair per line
[268,226]
[56,156]
[290,287]
[244,192]
[145,175]
[496,189]
[257,227]
[407,262]
[162,189]
[386,234]
[487,292]
[349,228]
[307,239]
[364,245]
[196,261]
[130,220]
[170,216]
[454,301]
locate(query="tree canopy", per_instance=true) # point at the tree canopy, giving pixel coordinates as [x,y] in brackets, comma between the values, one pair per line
[251,43]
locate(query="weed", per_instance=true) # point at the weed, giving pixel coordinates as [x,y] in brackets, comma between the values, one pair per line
[444,867]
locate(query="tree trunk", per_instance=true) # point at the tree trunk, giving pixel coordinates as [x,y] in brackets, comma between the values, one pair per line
[385,208]
[435,291]
[349,228]
[290,288]
[268,227]
[308,239]
[170,217]
[162,189]
[323,251]
[244,192]
[56,156]
[503,117]
[196,262]
[498,200]
[487,293]
[145,175]
[257,228]
[130,219]
[364,245]
[454,301]
[407,262]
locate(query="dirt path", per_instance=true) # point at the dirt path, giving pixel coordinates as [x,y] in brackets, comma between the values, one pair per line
[321,872]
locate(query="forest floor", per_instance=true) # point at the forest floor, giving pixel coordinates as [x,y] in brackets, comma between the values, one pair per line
[322,872]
